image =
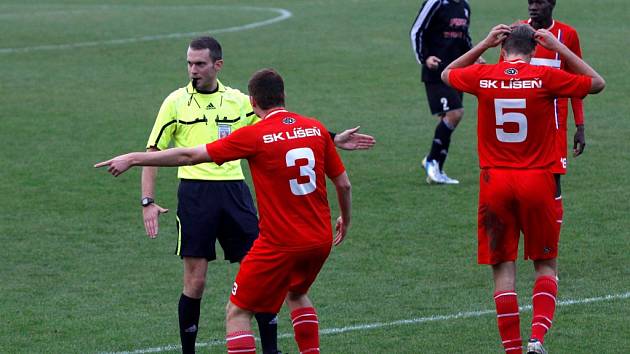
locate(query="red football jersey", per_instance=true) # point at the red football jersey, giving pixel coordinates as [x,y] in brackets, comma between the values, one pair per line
[289,156]
[515,114]
[545,57]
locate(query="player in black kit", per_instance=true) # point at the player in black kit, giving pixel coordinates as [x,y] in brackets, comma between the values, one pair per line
[439,36]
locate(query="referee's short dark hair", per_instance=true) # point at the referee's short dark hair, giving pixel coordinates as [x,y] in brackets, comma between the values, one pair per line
[520,40]
[207,42]
[267,88]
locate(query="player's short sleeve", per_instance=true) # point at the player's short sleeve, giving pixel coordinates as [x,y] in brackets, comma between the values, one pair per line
[465,79]
[239,145]
[164,125]
[560,83]
[333,166]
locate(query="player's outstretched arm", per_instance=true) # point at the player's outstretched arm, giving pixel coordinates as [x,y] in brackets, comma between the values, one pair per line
[496,36]
[344,197]
[575,63]
[170,157]
[351,139]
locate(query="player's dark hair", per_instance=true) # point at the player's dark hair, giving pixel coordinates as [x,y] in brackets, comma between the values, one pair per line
[207,42]
[520,40]
[267,88]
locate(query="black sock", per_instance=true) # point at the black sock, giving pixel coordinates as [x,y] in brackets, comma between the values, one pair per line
[441,142]
[268,328]
[558,185]
[188,311]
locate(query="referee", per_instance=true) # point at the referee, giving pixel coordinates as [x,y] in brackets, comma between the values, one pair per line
[214,203]
[439,35]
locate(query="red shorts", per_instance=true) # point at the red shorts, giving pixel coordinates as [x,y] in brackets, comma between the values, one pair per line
[267,275]
[511,201]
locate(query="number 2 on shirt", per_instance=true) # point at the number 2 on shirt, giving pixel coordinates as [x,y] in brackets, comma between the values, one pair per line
[307,170]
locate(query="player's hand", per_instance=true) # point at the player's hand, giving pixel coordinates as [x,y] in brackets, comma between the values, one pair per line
[151,214]
[350,139]
[496,35]
[116,166]
[579,141]
[432,62]
[341,229]
[547,40]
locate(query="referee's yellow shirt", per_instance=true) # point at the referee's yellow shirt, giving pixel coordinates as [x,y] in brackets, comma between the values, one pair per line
[189,118]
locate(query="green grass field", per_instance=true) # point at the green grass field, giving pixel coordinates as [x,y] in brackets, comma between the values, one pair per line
[78,275]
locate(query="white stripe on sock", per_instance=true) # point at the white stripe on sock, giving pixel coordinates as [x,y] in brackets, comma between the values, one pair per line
[544,317]
[305,321]
[304,315]
[239,336]
[546,294]
[540,324]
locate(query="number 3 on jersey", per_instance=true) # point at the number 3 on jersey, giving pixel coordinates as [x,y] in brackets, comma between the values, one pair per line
[511,117]
[307,170]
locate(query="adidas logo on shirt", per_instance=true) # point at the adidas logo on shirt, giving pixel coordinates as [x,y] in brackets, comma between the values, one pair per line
[210,106]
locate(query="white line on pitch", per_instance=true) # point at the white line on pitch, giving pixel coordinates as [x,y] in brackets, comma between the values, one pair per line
[282,15]
[377,325]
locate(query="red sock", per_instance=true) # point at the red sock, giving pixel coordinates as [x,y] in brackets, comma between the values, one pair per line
[508,321]
[306,328]
[241,342]
[544,305]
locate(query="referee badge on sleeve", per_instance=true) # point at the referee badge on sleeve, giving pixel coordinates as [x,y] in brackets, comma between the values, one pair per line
[224,130]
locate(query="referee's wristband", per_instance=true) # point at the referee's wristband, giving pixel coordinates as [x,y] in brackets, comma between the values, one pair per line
[332,135]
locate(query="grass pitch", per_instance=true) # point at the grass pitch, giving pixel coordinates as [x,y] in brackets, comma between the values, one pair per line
[82,81]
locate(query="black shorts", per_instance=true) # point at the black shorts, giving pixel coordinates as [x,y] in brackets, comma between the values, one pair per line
[443,98]
[211,210]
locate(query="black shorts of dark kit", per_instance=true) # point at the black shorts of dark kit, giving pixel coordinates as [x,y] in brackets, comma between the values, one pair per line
[208,211]
[443,98]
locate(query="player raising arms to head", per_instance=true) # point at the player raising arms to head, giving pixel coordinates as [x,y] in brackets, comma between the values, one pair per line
[516,138]
[289,156]
[541,17]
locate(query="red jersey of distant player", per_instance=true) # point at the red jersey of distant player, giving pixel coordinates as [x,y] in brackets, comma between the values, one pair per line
[289,156]
[516,115]
[545,57]
[516,141]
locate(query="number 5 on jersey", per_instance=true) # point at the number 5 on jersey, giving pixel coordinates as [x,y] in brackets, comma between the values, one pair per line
[307,170]
[500,104]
